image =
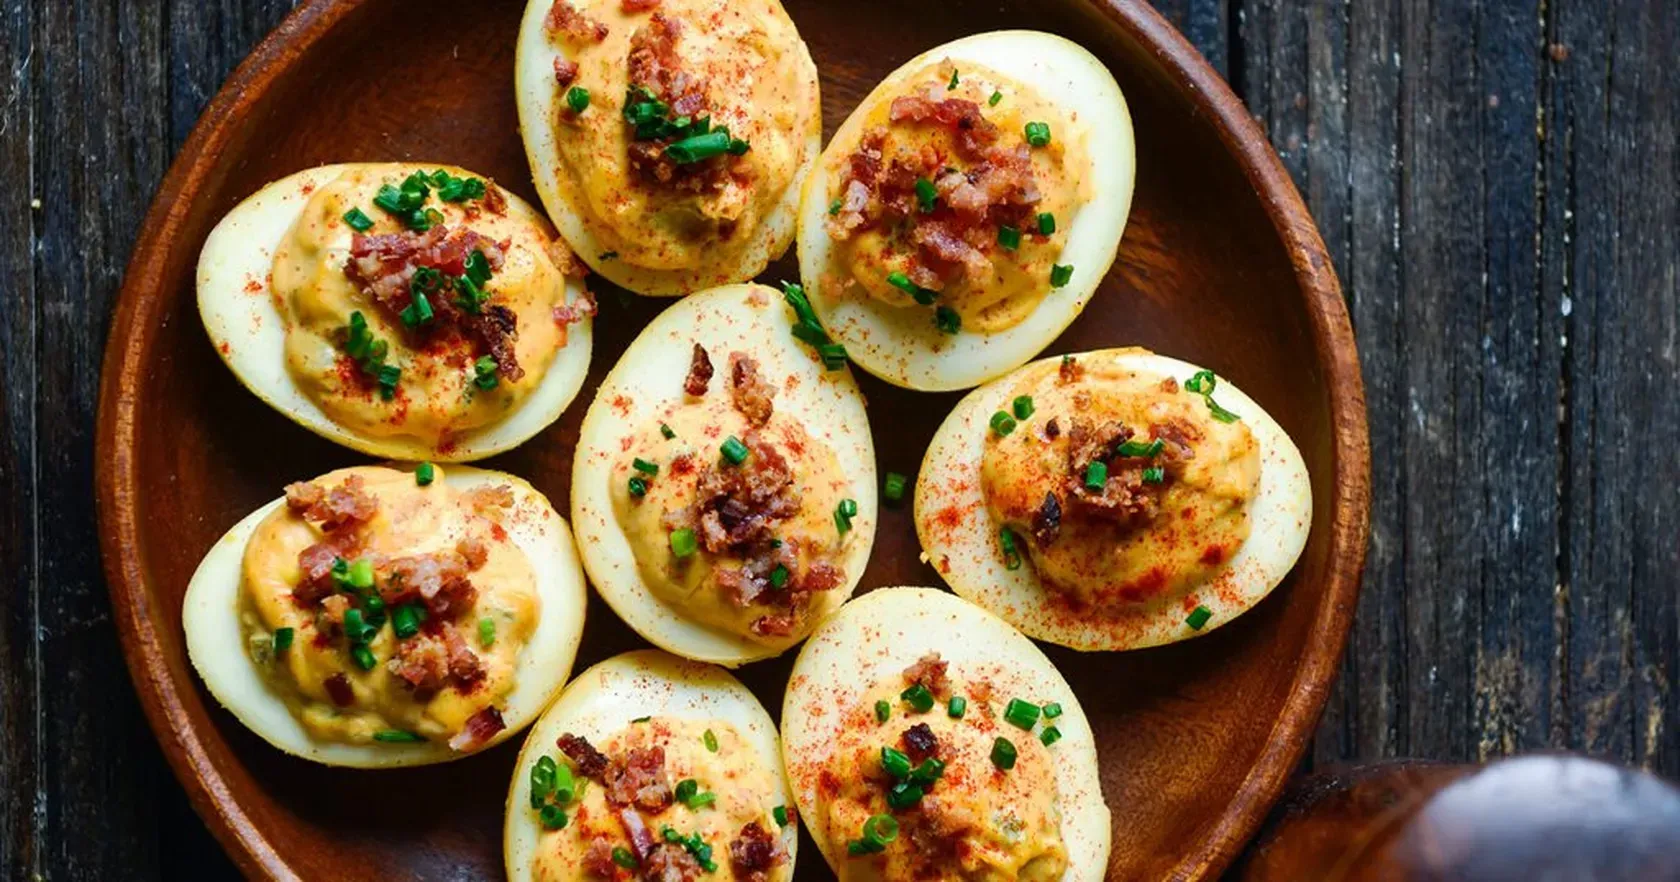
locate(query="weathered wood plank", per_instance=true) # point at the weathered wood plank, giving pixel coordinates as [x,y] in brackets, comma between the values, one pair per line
[1207,24]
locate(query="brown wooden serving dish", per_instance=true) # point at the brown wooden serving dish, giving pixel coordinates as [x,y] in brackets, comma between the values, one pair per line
[1221,265]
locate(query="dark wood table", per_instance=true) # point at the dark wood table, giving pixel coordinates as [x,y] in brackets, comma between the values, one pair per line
[1498,181]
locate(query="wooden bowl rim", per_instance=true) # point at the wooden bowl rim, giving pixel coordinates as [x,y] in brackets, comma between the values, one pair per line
[126,354]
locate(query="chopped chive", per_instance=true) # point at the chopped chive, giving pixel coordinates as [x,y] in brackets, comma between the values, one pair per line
[1022,406]
[779,577]
[1203,383]
[1038,134]
[734,451]
[1009,237]
[993,101]
[638,486]
[1002,423]
[361,573]
[1052,710]
[710,741]
[902,282]
[833,355]
[927,196]
[683,542]
[686,789]
[895,762]
[484,373]
[780,813]
[425,473]
[1141,449]
[283,639]
[893,488]
[486,632]
[929,771]
[1050,735]
[849,507]
[701,800]
[358,220]
[397,736]
[1198,617]
[624,858]
[883,711]
[641,719]
[577,98]
[1021,714]
[880,828]
[918,697]
[1060,275]
[554,817]
[666,431]
[1003,754]
[362,656]
[1154,475]
[1096,476]
[904,795]
[952,85]
[1011,549]
[645,467]
[704,146]
[834,207]
[946,319]
[405,623]
[956,707]
[1046,223]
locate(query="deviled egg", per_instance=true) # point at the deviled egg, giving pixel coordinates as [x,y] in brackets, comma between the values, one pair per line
[1114,499]
[389,617]
[668,138]
[966,211]
[723,488]
[409,312]
[651,767]
[926,739]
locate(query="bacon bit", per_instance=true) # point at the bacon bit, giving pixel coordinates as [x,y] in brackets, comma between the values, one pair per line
[920,742]
[1070,371]
[465,668]
[438,580]
[699,372]
[422,662]
[636,829]
[1052,429]
[591,763]
[631,7]
[344,506]
[497,327]
[330,619]
[572,313]
[1047,521]
[495,202]
[479,729]
[315,563]
[1169,386]
[486,500]
[639,780]
[752,397]
[929,670]
[597,860]
[755,853]
[338,689]
[564,19]
[1213,555]
[775,625]
[473,551]
[565,72]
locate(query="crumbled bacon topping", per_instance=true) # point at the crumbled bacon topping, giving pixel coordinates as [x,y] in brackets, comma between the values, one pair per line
[565,20]
[344,506]
[920,743]
[1070,370]
[1047,520]
[654,65]
[755,852]
[338,689]
[570,314]
[639,780]
[699,372]
[631,7]
[438,580]
[565,72]
[750,394]
[591,763]
[478,730]
[929,670]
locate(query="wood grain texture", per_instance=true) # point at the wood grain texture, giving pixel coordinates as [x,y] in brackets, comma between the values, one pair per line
[1519,587]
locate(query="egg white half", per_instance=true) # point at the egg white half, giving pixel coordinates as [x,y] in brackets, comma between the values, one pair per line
[237,306]
[873,639]
[210,617]
[755,320]
[970,559]
[538,99]
[603,701]
[900,344]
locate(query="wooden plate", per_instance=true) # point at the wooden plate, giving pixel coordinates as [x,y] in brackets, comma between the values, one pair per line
[1220,265]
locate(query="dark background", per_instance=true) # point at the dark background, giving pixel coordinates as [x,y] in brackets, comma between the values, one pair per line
[1499,184]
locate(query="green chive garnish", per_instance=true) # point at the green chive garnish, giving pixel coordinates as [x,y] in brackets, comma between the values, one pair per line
[554,817]
[405,622]
[424,474]
[1046,223]
[486,632]
[683,542]
[893,487]
[895,762]
[843,514]
[902,282]
[952,85]
[666,431]
[638,486]
[780,814]
[1203,384]
[624,858]
[283,639]
[1021,714]
[1038,134]
[1003,754]
[904,795]
[834,207]
[734,451]
[1096,476]
[1050,735]
[927,196]
[1198,617]
[883,711]
[710,741]
[881,829]
[362,656]
[1002,423]
[358,220]
[956,707]
[577,98]
[698,148]
[361,574]
[1052,710]
[484,373]
[1060,275]
[397,736]
[946,319]
[918,697]
[993,101]
[686,789]
[1154,475]
[1009,237]
[1141,449]
[1011,549]
[645,467]
[1022,406]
